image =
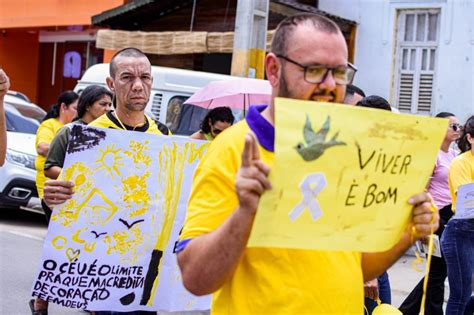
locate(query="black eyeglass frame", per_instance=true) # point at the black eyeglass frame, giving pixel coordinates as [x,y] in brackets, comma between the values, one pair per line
[349,67]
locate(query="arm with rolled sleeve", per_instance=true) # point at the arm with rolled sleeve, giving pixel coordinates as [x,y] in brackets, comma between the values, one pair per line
[57,153]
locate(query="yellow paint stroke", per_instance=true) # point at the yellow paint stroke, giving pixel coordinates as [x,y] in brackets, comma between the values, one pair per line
[81,175]
[108,208]
[197,153]
[134,187]
[123,242]
[65,215]
[75,170]
[58,239]
[397,132]
[110,160]
[172,162]
[80,179]
[75,236]
[139,211]
[137,153]
[135,192]
[89,247]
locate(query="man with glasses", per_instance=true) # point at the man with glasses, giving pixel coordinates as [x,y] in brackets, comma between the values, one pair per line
[308,62]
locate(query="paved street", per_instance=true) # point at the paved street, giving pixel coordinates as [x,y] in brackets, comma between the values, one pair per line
[21,241]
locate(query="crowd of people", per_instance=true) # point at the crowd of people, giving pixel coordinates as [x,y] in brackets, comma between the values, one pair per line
[308,61]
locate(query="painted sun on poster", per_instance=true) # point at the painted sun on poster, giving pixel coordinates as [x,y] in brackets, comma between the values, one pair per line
[111,246]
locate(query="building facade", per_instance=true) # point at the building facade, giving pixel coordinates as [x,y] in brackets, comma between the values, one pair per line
[417,54]
[45,46]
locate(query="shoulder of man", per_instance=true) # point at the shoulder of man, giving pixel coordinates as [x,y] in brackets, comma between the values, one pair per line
[163,128]
[102,122]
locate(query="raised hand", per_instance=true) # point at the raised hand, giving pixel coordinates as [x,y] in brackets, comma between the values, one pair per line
[252,178]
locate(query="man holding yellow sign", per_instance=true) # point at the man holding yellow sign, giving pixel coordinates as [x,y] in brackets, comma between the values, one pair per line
[308,62]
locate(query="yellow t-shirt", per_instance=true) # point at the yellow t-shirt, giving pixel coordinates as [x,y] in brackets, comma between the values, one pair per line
[461,172]
[45,134]
[267,280]
[108,120]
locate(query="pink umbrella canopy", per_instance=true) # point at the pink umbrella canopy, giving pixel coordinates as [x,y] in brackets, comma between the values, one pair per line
[236,93]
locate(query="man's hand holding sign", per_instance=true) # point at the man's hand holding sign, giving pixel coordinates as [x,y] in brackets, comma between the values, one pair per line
[363,183]
[306,244]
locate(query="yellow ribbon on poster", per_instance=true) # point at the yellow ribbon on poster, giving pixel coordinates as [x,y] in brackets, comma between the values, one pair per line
[342,176]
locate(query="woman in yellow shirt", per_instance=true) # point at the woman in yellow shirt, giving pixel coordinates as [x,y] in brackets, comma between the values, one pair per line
[457,241]
[59,114]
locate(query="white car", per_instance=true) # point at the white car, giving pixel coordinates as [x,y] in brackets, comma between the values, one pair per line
[18,174]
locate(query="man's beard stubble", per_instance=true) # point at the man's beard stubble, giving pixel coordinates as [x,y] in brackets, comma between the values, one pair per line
[135,107]
[284,91]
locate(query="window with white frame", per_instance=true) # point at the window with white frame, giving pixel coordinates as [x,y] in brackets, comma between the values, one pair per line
[417,44]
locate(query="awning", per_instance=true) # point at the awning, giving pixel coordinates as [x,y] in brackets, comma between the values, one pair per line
[137,13]
[118,11]
[169,43]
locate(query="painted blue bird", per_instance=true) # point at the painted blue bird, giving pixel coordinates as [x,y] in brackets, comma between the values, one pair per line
[315,142]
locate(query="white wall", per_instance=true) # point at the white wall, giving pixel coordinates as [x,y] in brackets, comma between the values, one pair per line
[375,47]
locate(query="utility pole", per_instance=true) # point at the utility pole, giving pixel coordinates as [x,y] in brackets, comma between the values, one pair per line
[250,38]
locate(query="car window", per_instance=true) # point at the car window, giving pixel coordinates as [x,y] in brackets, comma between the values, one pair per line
[17,123]
[191,116]
[189,119]
[28,110]
[173,112]
[31,111]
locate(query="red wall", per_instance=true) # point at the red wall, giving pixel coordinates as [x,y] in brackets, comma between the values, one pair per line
[19,56]
[35,13]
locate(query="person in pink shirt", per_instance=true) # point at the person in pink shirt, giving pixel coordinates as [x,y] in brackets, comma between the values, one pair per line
[439,190]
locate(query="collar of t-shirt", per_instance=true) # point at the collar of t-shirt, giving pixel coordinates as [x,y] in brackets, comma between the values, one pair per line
[263,130]
[141,128]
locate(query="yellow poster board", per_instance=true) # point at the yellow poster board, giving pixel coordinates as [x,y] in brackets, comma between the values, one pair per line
[343,175]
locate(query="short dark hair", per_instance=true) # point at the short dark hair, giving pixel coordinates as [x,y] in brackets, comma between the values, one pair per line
[444,115]
[468,128]
[351,89]
[215,115]
[126,52]
[286,27]
[89,96]
[66,97]
[374,101]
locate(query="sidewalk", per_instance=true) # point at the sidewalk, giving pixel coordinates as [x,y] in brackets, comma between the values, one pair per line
[403,279]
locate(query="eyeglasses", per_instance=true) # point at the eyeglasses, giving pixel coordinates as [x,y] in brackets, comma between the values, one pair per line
[317,73]
[455,127]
